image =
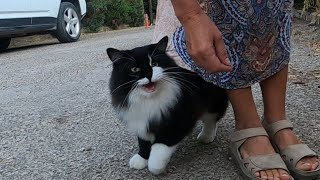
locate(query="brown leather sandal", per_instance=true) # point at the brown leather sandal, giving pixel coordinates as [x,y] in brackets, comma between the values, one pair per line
[249,166]
[293,153]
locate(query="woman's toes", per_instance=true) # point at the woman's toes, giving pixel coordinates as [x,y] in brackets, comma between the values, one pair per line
[263,175]
[287,177]
[257,174]
[315,165]
[269,174]
[284,175]
[276,174]
[305,166]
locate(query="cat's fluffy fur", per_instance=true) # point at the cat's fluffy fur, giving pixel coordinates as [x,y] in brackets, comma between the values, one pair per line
[161,102]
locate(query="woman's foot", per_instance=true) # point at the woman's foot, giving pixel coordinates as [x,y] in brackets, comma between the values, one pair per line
[274,95]
[286,137]
[261,145]
[246,116]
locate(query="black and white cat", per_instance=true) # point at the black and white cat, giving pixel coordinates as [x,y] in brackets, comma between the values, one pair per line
[161,102]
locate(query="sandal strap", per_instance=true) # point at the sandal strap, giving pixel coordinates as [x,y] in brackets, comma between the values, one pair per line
[240,136]
[264,162]
[251,165]
[273,128]
[294,153]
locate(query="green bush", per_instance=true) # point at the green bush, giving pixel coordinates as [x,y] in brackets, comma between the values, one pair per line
[95,17]
[113,13]
[312,5]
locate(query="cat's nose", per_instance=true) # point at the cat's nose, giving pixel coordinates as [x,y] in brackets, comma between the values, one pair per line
[149,75]
[149,78]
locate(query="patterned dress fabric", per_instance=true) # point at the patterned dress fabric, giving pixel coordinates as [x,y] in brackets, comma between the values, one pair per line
[256,34]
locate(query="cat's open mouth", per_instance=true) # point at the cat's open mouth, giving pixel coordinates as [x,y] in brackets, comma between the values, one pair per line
[150,87]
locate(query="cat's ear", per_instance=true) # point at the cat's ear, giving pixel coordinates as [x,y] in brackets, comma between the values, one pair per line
[114,54]
[162,44]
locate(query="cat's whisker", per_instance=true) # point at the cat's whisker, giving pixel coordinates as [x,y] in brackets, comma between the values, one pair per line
[180,78]
[165,69]
[168,80]
[131,91]
[171,50]
[121,86]
[173,82]
[184,83]
[135,76]
[109,65]
[176,72]
[158,55]
[178,75]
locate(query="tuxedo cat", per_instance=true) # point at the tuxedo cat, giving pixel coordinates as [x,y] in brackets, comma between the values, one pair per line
[161,102]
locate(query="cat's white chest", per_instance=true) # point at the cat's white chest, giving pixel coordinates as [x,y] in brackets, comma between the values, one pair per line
[144,109]
[137,121]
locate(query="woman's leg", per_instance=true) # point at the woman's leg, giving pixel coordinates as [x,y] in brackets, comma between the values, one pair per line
[274,95]
[246,116]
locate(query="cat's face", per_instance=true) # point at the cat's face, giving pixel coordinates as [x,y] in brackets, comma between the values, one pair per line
[145,69]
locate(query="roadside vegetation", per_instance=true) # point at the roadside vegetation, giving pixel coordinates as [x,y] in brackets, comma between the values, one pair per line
[116,14]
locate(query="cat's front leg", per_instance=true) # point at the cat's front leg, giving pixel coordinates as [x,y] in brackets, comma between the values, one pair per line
[209,129]
[159,157]
[140,160]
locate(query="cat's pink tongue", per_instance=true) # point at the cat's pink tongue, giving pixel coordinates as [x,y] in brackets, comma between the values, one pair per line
[150,87]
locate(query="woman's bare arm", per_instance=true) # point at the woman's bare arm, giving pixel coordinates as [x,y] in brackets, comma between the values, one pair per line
[186,9]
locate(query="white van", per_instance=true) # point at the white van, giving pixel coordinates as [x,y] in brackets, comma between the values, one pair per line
[62,18]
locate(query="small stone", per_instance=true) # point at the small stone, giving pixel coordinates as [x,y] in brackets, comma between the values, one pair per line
[299,82]
[86,149]
[229,158]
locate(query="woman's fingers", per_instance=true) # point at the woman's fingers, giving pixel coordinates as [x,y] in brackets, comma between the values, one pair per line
[221,49]
[206,58]
[214,65]
[205,44]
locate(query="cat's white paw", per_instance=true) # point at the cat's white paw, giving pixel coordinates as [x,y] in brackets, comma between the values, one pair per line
[157,166]
[159,158]
[206,138]
[209,129]
[156,170]
[138,162]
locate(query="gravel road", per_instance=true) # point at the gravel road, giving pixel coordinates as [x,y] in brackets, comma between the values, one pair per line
[56,121]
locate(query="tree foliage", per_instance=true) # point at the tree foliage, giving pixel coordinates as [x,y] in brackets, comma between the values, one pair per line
[113,13]
[311,5]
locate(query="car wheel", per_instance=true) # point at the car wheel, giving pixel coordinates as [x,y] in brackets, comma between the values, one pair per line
[4,43]
[68,23]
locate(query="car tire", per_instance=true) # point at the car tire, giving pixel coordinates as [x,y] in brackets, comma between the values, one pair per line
[4,43]
[68,23]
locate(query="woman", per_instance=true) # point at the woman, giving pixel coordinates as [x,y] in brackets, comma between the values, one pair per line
[235,44]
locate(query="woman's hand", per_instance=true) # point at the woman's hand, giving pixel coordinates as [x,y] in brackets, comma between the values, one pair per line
[205,44]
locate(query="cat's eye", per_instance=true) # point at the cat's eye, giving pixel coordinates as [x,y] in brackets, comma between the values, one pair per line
[135,69]
[154,64]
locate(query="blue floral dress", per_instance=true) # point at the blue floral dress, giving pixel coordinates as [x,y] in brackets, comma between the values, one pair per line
[257,38]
